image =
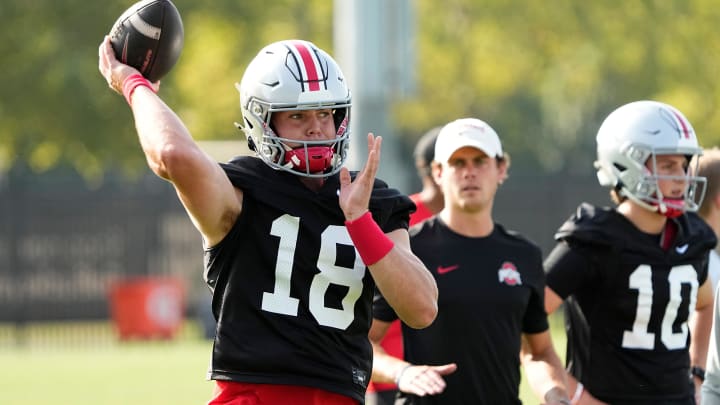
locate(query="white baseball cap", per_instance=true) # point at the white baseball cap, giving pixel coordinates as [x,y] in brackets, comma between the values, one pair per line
[467,132]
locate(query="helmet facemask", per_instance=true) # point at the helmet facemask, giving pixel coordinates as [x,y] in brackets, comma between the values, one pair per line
[316,158]
[641,184]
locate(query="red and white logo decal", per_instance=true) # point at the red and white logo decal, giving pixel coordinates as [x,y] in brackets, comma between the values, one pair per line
[508,274]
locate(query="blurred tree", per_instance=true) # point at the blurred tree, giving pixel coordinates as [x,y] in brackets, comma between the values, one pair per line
[56,109]
[544,74]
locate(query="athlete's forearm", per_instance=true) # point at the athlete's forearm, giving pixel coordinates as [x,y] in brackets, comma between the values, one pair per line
[700,326]
[711,385]
[159,130]
[386,368]
[543,368]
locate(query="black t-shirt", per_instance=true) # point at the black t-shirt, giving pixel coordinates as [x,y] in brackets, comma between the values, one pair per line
[628,304]
[292,298]
[491,290]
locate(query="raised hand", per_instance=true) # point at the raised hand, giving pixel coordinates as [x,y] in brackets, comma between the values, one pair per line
[355,195]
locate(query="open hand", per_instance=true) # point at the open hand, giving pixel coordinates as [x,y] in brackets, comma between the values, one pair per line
[355,195]
[425,380]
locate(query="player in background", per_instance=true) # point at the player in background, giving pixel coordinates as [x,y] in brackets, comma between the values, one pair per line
[491,286]
[709,167]
[429,201]
[294,243]
[632,275]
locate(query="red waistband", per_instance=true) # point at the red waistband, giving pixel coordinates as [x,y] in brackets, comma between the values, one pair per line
[239,393]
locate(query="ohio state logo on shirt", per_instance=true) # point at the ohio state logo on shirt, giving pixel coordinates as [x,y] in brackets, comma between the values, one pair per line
[508,274]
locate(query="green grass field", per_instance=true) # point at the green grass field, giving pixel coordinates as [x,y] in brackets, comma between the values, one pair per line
[83,364]
[80,363]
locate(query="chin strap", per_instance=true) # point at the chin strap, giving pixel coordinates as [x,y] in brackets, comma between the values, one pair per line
[672,212]
[319,159]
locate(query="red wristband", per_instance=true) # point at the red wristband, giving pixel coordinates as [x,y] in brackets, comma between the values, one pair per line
[370,241]
[131,83]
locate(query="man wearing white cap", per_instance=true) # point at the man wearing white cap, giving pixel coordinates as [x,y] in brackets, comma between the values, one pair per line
[490,284]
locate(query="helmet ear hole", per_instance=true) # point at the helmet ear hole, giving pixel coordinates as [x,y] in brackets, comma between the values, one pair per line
[251,144]
[248,124]
[247,128]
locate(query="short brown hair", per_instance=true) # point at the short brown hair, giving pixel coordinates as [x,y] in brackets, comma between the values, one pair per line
[425,151]
[708,166]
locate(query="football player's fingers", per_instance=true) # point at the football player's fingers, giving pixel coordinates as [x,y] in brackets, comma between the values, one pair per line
[435,382]
[374,142]
[107,47]
[102,58]
[425,382]
[108,53]
[418,388]
[106,63]
[371,159]
[370,140]
[106,70]
[344,177]
[407,382]
[445,369]
[427,387]
[374,147]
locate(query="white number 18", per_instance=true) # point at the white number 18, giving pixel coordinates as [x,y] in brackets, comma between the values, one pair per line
[279,301]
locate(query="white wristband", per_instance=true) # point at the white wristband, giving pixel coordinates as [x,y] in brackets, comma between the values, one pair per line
[400,374]
[578,393]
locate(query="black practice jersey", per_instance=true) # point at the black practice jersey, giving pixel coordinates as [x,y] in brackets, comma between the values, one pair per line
[292,298]
[628,304]
[491,290]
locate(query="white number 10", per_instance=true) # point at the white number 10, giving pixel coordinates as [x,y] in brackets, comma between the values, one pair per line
[279,301]
[641,280]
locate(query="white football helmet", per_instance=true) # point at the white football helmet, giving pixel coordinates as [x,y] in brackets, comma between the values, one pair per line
[295,75]
[639,131]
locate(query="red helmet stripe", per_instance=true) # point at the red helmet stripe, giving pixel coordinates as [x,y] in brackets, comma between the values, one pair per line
[683,124]
[309,62]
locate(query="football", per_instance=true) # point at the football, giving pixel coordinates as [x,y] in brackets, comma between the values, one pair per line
[149,36]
